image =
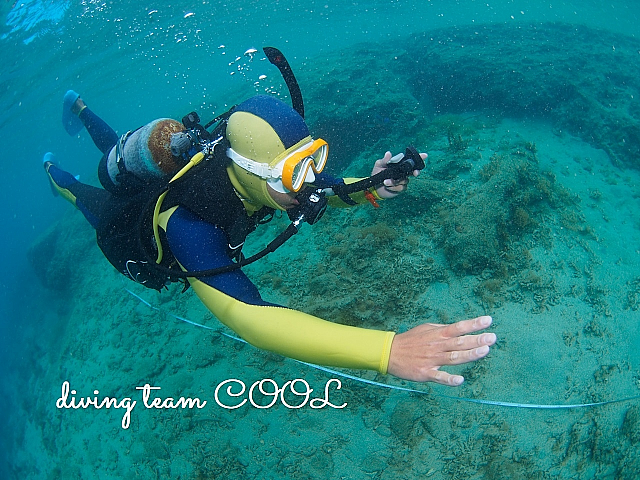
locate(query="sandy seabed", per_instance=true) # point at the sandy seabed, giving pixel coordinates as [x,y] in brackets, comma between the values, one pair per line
[564,307]
[528,210]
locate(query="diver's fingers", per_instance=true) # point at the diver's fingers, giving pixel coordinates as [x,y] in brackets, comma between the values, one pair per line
[458,357]
[468,342]
[466,326]
[444,378]
[395,183]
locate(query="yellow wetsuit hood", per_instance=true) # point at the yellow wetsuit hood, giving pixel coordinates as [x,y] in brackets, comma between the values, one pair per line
[261,129]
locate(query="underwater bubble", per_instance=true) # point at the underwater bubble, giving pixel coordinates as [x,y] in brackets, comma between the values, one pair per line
[262,77]
[250,53]
[189,14]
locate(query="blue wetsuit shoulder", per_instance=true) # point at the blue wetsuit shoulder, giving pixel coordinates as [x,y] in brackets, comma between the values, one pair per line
[199,245]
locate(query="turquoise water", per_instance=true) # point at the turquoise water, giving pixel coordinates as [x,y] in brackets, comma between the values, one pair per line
[567,318]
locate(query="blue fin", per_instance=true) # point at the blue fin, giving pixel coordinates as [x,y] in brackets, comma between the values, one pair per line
[70,121]
[49,158]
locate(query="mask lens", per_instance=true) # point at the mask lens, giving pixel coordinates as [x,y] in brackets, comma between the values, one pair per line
[320,156]
[296,167]
[300,173]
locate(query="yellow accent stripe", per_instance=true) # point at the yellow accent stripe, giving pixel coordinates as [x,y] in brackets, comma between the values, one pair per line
[156,233]
[163,218]
[196,159]
[64,193]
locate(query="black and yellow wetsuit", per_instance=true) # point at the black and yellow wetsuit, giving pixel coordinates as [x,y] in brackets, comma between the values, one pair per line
[200,219]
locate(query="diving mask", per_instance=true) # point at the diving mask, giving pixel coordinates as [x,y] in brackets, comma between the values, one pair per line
[291,170]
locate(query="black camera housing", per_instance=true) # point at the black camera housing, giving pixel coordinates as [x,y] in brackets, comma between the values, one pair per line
[312,205]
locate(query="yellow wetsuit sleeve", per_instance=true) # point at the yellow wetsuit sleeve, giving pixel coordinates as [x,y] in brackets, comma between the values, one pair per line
[298,335]
[357,197]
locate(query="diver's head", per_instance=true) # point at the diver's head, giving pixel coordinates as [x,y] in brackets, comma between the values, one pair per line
[272,151]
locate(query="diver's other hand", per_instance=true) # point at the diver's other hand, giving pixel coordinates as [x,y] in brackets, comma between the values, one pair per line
[419,353]
[392,188]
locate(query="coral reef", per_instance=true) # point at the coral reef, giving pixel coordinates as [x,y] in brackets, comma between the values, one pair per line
[489,73]
[474,69]
[486,225]
[633,295]
[54,254]
[631,425]
[357,106]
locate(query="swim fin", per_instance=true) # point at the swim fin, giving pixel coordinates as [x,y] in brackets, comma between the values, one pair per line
[70,121]
[49,158]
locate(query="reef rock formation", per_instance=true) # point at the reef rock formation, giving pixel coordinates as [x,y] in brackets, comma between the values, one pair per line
[584,81]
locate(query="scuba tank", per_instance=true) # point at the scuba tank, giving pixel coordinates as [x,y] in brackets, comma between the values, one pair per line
[142,157]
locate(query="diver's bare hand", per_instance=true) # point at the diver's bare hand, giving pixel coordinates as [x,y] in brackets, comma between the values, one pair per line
[392,188]
[419,353]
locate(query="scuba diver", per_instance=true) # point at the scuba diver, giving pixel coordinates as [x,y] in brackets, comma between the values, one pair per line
[258,159]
